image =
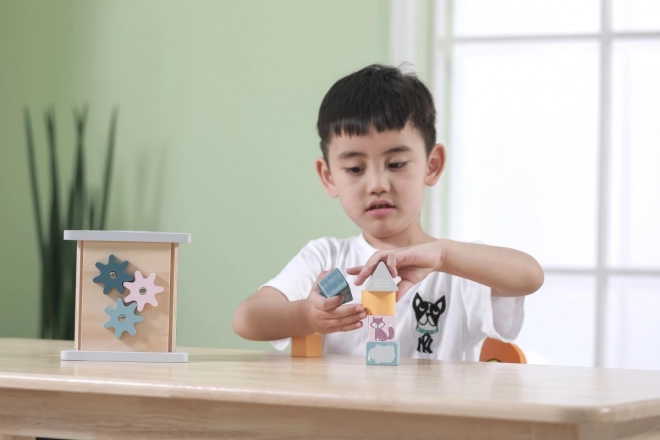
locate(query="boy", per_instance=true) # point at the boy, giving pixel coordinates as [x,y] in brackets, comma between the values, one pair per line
[377,129]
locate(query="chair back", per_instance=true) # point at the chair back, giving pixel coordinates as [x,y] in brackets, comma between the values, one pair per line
[495,350]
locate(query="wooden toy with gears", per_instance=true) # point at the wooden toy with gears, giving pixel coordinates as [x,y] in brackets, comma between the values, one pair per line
[126,286]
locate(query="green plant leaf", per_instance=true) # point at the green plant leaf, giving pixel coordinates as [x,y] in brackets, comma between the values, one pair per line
[55,229]
[92,210]
[77,195]
[33,180]
[58,257]
[108,167]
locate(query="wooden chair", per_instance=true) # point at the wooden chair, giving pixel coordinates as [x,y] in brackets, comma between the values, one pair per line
[495,350]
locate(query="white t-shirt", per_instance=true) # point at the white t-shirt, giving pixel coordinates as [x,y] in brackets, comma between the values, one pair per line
[442,317]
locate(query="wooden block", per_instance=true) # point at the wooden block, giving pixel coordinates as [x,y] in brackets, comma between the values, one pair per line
[307,346]
[383,353]
[379,303]
[381,280]
[334,284]
[381,328]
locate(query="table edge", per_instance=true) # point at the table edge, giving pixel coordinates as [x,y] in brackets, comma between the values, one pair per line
[484,409]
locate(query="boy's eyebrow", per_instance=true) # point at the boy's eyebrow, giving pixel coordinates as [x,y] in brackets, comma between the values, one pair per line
[350,154]
[397,149]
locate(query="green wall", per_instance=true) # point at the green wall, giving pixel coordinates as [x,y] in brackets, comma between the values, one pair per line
[218,103]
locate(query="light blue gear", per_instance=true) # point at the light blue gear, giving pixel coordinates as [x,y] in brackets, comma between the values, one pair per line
[130,318]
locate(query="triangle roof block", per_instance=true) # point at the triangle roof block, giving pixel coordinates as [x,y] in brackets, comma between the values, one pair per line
[381,280]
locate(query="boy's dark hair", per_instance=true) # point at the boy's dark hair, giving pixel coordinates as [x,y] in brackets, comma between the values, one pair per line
[379,96]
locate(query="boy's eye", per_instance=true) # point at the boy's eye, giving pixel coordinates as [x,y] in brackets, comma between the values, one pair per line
[353,170]
[397,165]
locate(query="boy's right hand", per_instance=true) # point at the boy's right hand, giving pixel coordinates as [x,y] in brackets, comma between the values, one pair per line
[328,315]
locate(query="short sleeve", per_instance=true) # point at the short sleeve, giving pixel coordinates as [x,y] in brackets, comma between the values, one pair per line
[491,317]
[295,281]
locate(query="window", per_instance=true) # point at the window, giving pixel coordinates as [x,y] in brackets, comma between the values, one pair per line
[550,115]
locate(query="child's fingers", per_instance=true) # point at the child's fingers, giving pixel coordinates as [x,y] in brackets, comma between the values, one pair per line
[404,286]
[345,327]
[320,277]
[346,310]
[315,286]
[365,271]
[372,262]
[326,304]
[346,320]
[354,270]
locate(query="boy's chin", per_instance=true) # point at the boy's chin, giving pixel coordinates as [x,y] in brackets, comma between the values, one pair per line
[383,228]
[382,231]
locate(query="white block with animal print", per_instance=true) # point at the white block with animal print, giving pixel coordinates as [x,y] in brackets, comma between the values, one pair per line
[381,328]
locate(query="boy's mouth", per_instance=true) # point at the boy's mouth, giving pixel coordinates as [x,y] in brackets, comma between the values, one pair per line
[379,208]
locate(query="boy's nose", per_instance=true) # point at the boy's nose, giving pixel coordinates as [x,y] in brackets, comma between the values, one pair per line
[378,183]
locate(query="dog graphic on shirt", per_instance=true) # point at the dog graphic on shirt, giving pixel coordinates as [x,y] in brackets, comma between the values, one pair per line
[427,315]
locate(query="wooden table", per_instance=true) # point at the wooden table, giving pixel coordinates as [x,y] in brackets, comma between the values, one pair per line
[243,394]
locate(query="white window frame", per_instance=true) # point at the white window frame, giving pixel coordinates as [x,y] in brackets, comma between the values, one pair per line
[403,22]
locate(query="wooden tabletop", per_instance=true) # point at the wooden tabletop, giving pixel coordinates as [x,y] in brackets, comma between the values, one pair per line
[466,389]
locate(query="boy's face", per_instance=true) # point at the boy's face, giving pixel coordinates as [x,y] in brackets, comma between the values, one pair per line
[380,178]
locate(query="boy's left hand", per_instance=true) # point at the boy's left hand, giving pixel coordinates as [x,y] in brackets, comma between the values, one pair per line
[412,264]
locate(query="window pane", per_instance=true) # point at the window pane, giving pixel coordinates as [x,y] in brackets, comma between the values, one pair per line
[636,15]
[526,17]
[632,323]
[635,160]
[559,323]
[522,152]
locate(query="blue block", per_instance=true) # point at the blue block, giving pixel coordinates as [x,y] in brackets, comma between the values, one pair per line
[383,353]
[334,284]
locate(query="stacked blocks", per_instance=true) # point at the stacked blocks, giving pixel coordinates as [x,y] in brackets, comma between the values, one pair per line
[383,353]
[381,328]
[334,284]
[379,301]
[307,346]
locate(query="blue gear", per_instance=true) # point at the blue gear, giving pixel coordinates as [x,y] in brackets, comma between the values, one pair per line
[129,316]
[113,275]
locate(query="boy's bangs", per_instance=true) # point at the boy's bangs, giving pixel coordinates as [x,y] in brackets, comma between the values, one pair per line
[359,125]
[377,96]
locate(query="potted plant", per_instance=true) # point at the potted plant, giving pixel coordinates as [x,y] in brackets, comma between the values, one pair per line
[85,207]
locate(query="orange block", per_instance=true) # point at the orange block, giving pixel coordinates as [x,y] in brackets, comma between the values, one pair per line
[307,346]
[379,303]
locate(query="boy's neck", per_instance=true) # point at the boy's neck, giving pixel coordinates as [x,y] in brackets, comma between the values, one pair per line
[411,236]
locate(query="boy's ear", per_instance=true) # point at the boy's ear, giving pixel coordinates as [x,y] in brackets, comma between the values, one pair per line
[323,171]
[436,163]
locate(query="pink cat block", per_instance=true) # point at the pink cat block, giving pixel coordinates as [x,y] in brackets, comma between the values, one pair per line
[381,328]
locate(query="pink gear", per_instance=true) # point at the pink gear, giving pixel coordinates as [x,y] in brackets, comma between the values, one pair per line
[142,290]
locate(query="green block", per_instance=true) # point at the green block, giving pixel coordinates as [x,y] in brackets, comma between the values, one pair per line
[383,353]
